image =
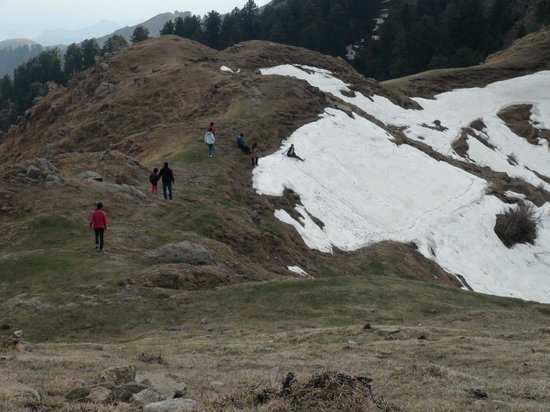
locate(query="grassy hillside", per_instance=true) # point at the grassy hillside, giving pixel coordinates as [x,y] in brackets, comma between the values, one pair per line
[244,320]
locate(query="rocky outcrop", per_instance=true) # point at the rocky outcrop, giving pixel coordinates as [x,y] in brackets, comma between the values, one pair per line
[38,170]
[182,252]
[186,277]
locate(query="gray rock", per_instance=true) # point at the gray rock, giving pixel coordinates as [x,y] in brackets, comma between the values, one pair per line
[172,405]
[125,393]
[51,178]
[78,394]
[147,397]
[104,89]
[118,375]
[19,395]
[34,172]
[90,175]
[99,394]
[183,252]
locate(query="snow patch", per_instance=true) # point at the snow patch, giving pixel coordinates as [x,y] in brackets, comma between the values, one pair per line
[366,189]
[299,271]
[457,110]
[229,70]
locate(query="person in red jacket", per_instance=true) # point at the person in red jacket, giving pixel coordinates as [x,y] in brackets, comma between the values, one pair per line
[98,222]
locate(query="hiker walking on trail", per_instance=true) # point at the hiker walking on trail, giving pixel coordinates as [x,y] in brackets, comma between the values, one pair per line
[154,179]
[210,140]
[168,180]
[254,154]
[98,223]
[292,154]
[241,144]
[212,129]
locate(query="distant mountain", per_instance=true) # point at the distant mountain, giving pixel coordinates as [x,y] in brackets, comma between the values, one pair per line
[62,36]
[15,43]
[154,25]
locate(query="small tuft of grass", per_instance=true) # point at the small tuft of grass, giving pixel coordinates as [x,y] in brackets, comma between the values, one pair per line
[517,226]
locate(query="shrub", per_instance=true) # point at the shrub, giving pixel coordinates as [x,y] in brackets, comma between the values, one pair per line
[518,225]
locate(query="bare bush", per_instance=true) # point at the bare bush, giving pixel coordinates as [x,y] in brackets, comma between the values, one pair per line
[519,225]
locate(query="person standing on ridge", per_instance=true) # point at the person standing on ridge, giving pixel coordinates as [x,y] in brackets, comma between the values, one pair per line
[154,179]
[213,129]
[168,180]
[241,144]
[98,223]
[210,140]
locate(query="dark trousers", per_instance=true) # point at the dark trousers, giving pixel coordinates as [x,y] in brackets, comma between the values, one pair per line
[99,238]
[167,190]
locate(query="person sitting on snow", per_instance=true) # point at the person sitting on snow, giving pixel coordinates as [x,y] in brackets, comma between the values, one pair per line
[292,154]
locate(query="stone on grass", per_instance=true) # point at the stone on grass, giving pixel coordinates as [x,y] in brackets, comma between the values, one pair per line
[182,252]
[99,394]
[147,396]
[172,405]
[118,375]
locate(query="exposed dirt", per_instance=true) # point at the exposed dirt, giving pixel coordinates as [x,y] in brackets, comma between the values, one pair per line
[518,119]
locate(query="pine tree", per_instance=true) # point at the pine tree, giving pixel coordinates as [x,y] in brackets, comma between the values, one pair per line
[114,44]
[212,27]
[6,89]
[140,34]
[90,52]
[250,20]
[179,27]
[230,32]
[168,28]
[73,60]
[189,28]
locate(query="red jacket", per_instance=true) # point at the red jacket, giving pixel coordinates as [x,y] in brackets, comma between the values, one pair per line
[98,220]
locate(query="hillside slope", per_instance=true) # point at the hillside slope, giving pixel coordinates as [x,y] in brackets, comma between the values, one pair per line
[254,291]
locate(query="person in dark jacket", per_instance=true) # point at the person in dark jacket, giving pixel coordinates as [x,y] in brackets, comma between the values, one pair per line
[167,176]
[154,179]
[98,223]
[241,144]
[292,154]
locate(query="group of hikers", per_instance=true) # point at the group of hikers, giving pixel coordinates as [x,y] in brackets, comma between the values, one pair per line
[98,218]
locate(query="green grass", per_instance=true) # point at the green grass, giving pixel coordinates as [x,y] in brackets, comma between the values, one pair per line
[51,232]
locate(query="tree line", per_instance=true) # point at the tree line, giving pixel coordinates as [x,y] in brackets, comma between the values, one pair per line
[415,36]
[30,80]
[328,26]
[434,34]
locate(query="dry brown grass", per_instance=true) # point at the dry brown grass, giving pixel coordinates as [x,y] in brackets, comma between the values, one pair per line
[518,225]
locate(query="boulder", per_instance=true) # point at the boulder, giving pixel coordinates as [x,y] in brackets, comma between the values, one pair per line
[99,394]
[78,394]
[34,172]
[125,393]
[90,175]
[118,375]
[104,89]
[147,397]
[19,395]
[183,252]
[172,405]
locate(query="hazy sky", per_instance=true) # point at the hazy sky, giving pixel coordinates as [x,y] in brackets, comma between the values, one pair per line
[28,18]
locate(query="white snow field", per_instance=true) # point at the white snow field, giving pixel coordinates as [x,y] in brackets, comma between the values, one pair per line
[366,189]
